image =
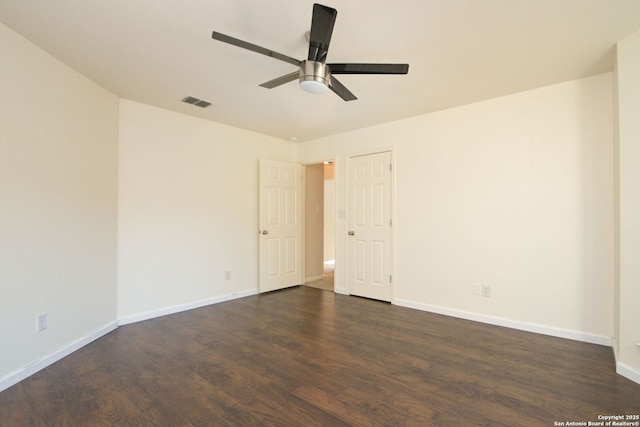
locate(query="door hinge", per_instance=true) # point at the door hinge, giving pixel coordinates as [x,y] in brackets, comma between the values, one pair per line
[390,281]
[390,167]
[390,223]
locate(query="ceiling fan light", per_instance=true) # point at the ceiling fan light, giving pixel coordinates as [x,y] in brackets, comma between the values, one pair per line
[314,77]
[313,86]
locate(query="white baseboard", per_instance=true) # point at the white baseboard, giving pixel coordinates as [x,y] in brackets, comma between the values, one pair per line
[25,372]
[508,323]
[623,369]
[628,372]
[311,279]
[184,307]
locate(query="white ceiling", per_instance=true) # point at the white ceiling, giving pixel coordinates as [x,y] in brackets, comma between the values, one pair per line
[459,51]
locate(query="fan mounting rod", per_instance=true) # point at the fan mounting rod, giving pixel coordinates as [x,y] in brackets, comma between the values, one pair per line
[315,76]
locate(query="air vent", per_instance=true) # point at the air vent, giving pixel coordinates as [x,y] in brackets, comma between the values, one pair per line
[196,101]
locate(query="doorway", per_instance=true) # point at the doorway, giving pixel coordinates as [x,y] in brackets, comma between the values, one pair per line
[320,227]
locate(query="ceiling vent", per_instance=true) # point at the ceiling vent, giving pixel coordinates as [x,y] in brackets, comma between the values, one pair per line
[196,101]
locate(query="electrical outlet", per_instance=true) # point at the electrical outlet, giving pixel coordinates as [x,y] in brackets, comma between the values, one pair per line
[227,275]
[486,291]
[41,322]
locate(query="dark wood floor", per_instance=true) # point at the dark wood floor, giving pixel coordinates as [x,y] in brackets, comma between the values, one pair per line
[307,357]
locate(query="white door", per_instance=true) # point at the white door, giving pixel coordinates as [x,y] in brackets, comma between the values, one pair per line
[280,225]
[370,226]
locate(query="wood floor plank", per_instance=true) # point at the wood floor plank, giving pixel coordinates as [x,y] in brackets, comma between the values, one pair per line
[308,357]
[333,405]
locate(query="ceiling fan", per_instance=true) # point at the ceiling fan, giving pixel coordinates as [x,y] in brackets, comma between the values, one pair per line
[314,74]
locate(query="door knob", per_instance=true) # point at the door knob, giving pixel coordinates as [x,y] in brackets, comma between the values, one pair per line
[351,233]
[265,232]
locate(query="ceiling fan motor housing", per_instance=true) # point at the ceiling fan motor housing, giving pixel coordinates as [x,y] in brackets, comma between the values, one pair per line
[315,76]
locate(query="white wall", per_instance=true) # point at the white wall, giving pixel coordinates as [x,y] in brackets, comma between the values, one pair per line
[628,144]
[515,193]
[58,184]
[188,210]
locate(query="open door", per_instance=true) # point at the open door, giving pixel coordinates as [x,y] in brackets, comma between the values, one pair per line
[280,225]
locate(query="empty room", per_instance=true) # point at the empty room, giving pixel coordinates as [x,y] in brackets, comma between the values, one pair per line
[461,176]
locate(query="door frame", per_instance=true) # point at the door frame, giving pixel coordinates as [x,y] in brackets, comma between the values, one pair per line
[347,203]
[341,169]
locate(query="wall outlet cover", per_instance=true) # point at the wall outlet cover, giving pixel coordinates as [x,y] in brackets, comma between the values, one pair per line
[486,291]
[41,322]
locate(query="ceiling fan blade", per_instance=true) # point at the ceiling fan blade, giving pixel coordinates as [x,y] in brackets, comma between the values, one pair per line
[369,68]
[281,80]
[322,23]
[255,48]
[339,89]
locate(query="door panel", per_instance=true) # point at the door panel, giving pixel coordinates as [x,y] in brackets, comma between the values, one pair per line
[291,206]
[280,225]
[290,255]
[370,226]
[378,262]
